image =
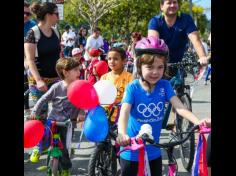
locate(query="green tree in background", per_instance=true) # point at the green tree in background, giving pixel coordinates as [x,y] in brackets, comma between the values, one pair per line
[91,11]
[130,16]
[119,18]
[200,19]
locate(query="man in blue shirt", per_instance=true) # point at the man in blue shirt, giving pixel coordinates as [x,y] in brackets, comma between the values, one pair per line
[176,28]
[27,22]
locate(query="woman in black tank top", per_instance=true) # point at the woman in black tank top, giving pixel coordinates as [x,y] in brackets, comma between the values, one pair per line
[42,73]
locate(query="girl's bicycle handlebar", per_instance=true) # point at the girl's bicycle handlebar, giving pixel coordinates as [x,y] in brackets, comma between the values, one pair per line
[135,145]
[145,137]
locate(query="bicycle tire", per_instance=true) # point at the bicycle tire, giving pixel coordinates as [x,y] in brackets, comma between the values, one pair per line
[186,149]
[103,161]
[53,166]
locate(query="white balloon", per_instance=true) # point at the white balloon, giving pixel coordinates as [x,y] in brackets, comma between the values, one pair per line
[106,91]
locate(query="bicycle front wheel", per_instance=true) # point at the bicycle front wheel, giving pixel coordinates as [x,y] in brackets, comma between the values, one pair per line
[53,166]
[187,149]
[103,161]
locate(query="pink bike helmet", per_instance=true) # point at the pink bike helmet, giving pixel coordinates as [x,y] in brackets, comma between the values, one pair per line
[151,45]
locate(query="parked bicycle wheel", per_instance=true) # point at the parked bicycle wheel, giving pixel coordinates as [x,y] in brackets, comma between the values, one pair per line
[187,149]
[103,161]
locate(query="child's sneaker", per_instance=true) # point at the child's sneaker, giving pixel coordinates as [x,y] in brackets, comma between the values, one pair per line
[34,157]
[65,173]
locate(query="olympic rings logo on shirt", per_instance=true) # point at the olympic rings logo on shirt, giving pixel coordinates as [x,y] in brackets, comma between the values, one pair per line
[151,109]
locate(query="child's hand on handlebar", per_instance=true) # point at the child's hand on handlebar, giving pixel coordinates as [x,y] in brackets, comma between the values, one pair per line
[123,139]
[205,122]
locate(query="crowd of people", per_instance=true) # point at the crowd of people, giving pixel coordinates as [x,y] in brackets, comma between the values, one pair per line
[53,61]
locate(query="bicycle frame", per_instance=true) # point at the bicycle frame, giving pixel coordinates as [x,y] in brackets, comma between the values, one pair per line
[178,83]
[183,92]
[54,151]
[172,164]
[54,145]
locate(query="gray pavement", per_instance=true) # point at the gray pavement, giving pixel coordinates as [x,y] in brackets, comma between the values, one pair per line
[201,105]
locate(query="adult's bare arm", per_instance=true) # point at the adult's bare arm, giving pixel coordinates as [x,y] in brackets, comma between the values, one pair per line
[153,33]
[197,44]
[30,59]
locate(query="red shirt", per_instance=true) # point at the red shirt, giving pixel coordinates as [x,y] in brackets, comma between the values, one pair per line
[91,78]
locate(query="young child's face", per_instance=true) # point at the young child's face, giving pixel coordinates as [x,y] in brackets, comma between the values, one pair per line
[73,74]
[154,72]
[77,56]
[115,61]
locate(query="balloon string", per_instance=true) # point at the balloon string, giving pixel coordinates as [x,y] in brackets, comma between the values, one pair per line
[81,134]
[106,104]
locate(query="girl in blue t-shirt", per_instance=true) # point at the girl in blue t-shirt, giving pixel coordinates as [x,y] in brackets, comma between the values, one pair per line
[143,103]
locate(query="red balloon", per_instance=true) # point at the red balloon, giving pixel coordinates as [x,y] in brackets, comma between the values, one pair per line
[101,68]
[33,133]
[82,94]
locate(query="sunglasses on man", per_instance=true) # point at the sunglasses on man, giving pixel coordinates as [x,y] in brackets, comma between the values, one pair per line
[27,13]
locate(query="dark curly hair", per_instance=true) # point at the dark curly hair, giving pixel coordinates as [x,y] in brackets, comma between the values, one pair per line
[40,10]
[120,50]
[162,2]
